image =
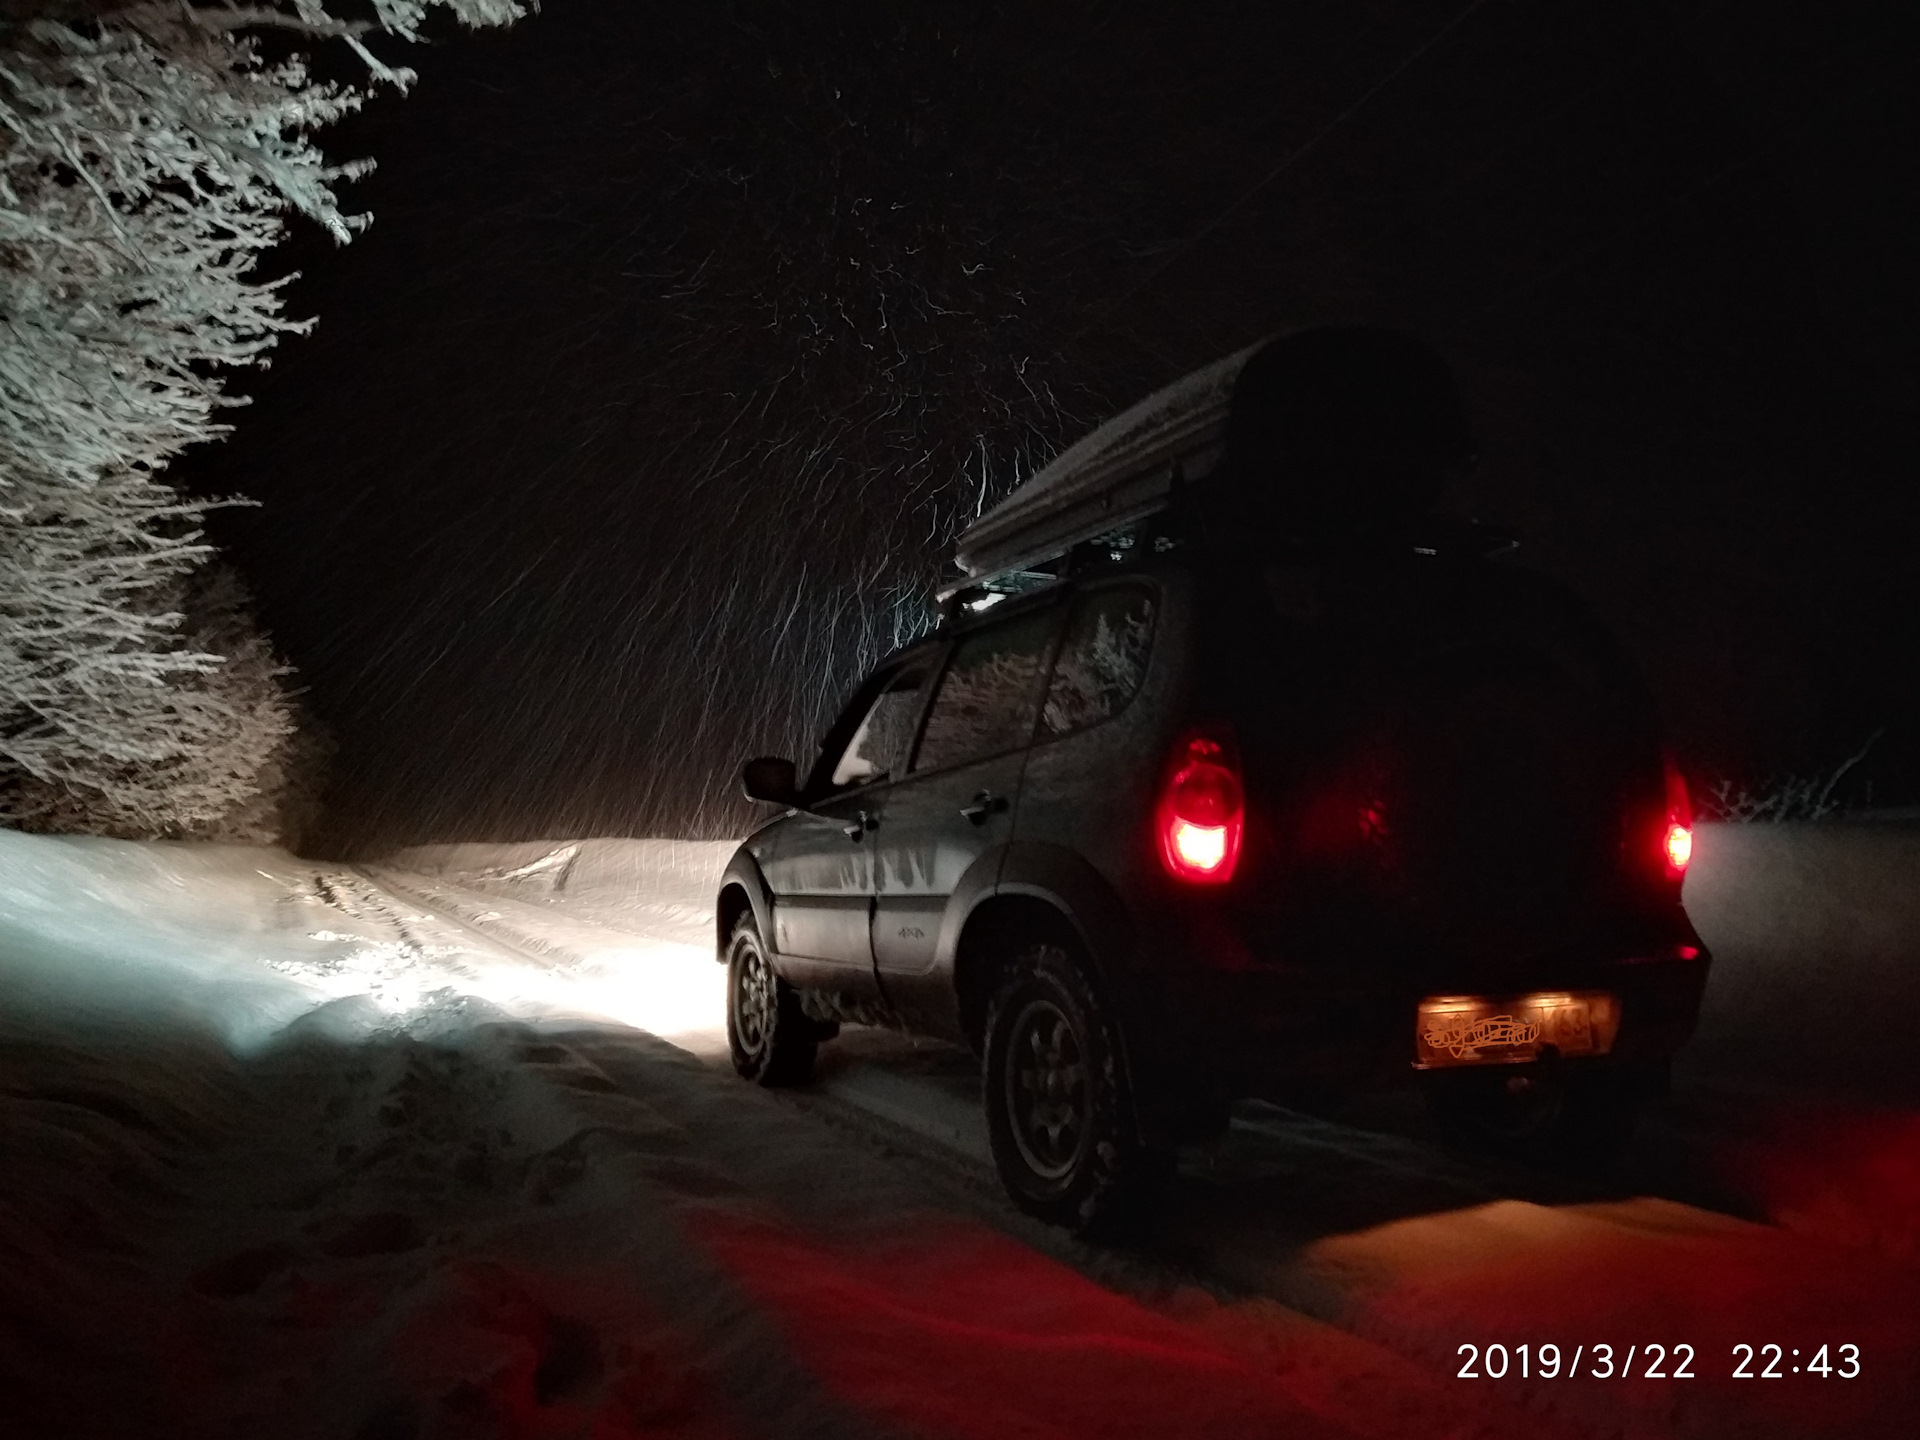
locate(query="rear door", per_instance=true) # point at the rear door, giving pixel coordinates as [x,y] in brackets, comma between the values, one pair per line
[821,869]
[958,798]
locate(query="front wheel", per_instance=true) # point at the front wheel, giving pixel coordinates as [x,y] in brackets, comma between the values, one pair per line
[1060,1112]
[770,1039]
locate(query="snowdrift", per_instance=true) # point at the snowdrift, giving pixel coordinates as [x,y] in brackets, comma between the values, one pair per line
[1815,932]
[231,941]
[238,943]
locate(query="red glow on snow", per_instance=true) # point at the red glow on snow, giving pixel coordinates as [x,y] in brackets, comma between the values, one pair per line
[1840,1173]
[1630,1274]
[1202,812]
[961,1333]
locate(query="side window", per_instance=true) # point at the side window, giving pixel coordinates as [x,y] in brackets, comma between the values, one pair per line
[880,744]
[987,696]
[1102,660]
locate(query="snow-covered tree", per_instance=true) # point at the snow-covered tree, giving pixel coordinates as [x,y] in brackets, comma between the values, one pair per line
[221,752]
[149,153]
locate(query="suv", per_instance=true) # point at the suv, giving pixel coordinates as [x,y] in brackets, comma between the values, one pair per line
[1206,789]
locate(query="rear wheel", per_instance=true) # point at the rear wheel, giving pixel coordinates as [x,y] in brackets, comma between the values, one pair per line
[770,1039]
[1060,1111]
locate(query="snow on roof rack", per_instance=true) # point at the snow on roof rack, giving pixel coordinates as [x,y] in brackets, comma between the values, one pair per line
[977,592]
[1124,470]
[962,592]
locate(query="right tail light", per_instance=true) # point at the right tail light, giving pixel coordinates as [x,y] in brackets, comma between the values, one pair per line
[1676,836]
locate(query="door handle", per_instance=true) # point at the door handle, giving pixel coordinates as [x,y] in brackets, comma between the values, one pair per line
[862,822]
[984,804]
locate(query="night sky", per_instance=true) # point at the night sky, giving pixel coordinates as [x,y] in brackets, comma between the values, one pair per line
[686,332]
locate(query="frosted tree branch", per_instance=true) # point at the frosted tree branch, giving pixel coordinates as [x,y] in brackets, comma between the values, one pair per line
[149,154]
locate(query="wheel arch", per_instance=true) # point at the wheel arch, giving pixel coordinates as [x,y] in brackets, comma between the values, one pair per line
[743,889]
[1044,892]
[996,926]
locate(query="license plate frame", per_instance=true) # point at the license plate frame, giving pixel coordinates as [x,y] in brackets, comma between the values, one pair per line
[1456,1031]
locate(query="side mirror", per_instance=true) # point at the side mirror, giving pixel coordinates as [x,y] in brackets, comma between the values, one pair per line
[770,778]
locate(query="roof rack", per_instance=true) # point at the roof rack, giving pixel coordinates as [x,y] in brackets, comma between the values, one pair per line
[1124,471]
[970,594]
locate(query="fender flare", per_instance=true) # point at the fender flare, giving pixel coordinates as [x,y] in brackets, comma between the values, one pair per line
[1094,909]
[743,870]
[1069,889]
[976,886]
[1062,879]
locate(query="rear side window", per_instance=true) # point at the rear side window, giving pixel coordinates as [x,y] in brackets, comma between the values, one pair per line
[987,697]
[885,732]
[1102,660]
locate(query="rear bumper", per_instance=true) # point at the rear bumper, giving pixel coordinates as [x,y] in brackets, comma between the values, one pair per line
[1350,1023]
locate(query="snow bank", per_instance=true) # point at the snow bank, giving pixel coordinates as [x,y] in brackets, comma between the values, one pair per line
[237,942]
[1815,933]
[232,940]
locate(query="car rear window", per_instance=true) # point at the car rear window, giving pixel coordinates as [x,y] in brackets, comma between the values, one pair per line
[987,697]
[1103,658]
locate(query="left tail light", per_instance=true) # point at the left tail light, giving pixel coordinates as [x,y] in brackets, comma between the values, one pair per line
[1201,814]
[1676,840]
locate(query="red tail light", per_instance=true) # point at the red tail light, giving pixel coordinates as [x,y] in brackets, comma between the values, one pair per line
[1677,837]
[1201,815]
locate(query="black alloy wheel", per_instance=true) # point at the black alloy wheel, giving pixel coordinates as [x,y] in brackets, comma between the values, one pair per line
[1060,1113]
[1046,1095]
[769,1038]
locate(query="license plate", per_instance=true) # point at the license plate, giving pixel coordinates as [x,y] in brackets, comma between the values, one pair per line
[1505,1030]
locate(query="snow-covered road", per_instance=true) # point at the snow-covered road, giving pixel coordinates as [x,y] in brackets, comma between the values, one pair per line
[453,1150]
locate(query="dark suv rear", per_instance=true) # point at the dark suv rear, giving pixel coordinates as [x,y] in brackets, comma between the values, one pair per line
[1184,810]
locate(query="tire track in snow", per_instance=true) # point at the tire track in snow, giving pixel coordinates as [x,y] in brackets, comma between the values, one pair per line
[383,889]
